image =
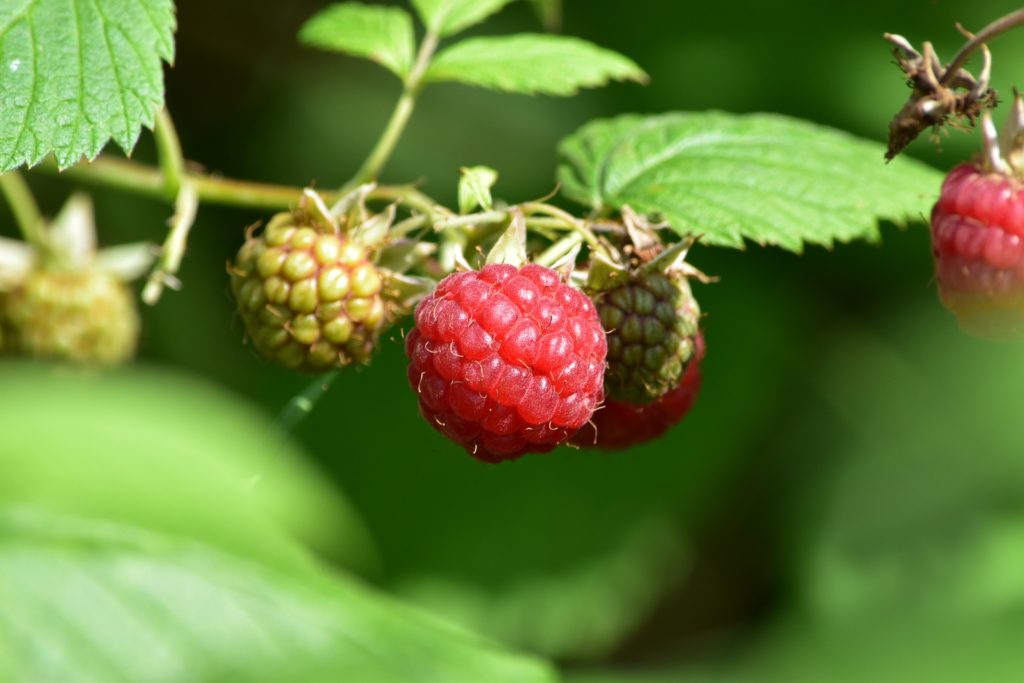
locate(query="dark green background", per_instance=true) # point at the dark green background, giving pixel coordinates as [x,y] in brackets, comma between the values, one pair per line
[850,476]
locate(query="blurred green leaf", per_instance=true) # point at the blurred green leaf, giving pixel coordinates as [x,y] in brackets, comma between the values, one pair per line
[677,674]
[881,648]
[164,452]
[88,601]
[532,63]
[77,73]
[383,34]
[475,188]
[767,178]
[580,611]
[447,17]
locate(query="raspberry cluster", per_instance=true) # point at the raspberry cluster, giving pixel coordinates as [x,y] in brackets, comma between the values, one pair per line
[507,360]
[310,298]
[978,243]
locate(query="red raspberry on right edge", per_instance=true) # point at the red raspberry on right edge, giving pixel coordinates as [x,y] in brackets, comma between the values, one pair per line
[978,244]
[507,360]
[618,425]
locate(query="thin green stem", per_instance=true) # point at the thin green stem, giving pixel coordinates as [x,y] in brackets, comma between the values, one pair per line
[409,197]
[173,250]
[302,405]
[148,181]
[567,219]
[23,206]
[409,225]
[482,218]
[168,147]
[385,146]
[548,223]
[559,249]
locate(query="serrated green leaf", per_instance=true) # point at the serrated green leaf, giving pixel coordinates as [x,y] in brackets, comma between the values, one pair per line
[766,178]
[532,63]
[383,34]
[78,73]
[96,601]
[447,17]
[475,188]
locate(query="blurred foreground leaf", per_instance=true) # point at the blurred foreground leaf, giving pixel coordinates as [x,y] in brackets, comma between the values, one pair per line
[142,537]
[94,601]
[168,453]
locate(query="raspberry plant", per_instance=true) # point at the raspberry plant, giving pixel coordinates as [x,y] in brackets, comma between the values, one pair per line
[567,321]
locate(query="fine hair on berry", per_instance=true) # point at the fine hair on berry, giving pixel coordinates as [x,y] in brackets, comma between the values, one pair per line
[507,360]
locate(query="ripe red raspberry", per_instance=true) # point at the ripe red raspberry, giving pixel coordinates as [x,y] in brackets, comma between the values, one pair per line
[978,244]
[618,425]
[507,360]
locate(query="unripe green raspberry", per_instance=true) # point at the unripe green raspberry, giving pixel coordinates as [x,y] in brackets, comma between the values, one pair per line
[652,325]
[310,298]
[86,316]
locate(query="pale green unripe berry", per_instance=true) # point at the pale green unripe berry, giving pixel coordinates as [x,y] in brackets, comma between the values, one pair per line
[86,316]
[311,300]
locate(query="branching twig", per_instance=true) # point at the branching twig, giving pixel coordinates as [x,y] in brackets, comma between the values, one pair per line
[941,93]
[165,273]
[1000,25]
[399,117]
[149,181]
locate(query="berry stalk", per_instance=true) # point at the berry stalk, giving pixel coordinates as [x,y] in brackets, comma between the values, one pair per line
[24,207]
[301,405]
[385,146]
[1000,25]
[168,148]
[173,250]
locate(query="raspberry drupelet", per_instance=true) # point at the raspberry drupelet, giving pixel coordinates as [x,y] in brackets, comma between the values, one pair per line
[507,360]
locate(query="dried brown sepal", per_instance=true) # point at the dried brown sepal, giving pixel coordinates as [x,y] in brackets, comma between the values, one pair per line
[940,95]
